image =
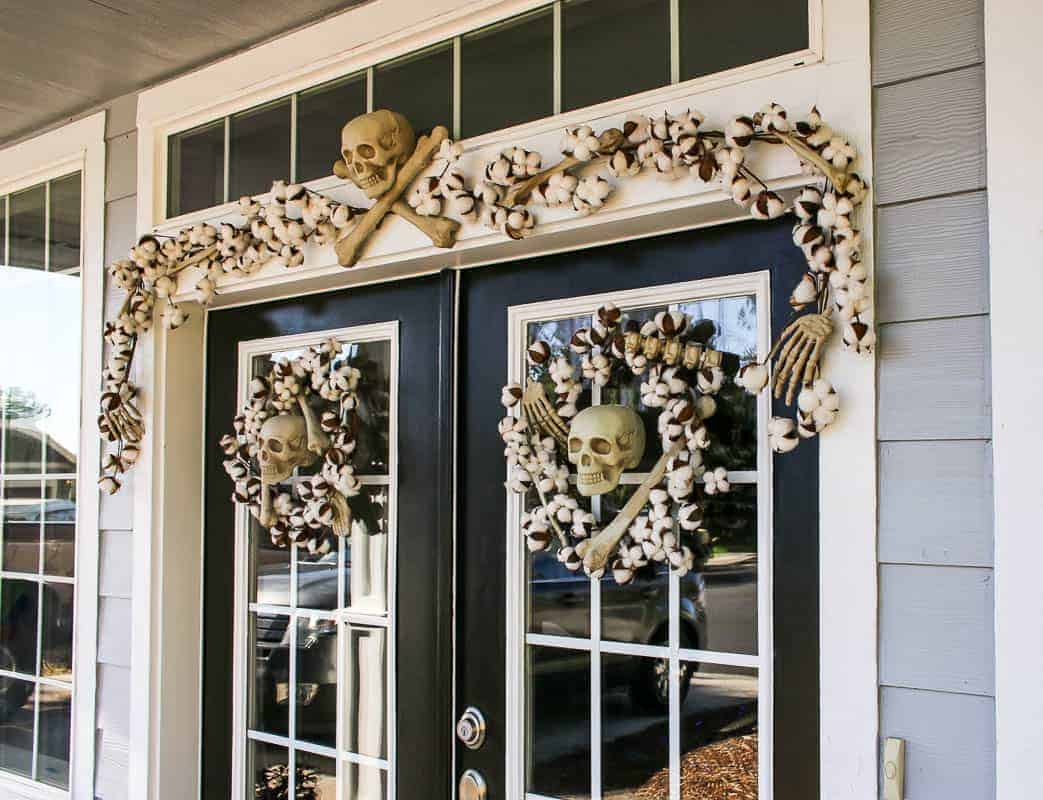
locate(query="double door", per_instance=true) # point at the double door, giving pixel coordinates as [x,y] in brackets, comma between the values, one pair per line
[344,674]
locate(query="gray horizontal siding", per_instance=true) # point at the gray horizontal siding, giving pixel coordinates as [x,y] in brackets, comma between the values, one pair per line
[938,622]
[935,502]
[925,37]
[932,258]
[934,379]
[950,743]
[929,136]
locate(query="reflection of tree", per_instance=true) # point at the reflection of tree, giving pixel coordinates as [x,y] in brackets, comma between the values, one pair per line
[273,783]
[19,403]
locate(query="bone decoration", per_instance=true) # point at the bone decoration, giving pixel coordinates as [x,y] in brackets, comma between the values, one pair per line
[604,441]
[382,156]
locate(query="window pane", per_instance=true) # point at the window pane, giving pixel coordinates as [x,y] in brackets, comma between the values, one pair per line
[316,579]
[59,537]
[613,48]
[57,631]
[507,73]
[317,775]
[772,29]
[419,86]
[18,609]
[65,222]
[3,230]
[365,691]
[22,511]
[363,782]
[730,573]
[259,149]
[196,166]
[558,722]
[55,726]
[635,728]
[317,681]
[373,360]
[718,732]
[271,565]
[270,686]
[321,113]
[559,600]
[17,712]
[267,771]
[27,228]
[366,552]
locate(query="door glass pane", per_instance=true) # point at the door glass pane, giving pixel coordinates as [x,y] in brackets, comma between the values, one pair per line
[268,772]
[316,776]
[365,691]
[316,579]
[19,605]
[719,732]
[729,575]
[317,681]
[270,667]
[635,725]
[517,55]
[196,166]
[558,724]
[55,726]
[373,360]
[56,662]
[65,222]
[613,48]
[418,86]
[259,149]
[363,782]
[59,533]
[559,599]
[366,552]
[321,113]
[23,510]
[271,568]
[18,706]
[28,214]
[778,27]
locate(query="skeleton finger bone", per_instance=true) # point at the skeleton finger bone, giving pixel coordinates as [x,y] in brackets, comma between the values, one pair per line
[440,230]
[798,368]
[798,351]
[604,545]
[349,248]
[542,416]
[785,360]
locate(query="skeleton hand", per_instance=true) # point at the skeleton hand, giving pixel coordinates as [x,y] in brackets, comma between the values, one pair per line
[542,416]
[799,350]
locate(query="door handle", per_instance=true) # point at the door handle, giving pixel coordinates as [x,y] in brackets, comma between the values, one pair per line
[472,786]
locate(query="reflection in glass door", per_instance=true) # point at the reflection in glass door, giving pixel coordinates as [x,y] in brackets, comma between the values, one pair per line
[315,642]
[659,688]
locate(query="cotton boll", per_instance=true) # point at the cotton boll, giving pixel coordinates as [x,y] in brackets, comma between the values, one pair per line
[739,132]
[752,377]
[772,119]
[804,293]
[782,434]
[767,205]
[742,192]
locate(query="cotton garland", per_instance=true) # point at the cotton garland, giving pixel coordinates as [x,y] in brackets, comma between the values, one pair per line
[503,198]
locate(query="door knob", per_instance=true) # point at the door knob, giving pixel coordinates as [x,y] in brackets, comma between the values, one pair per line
[472,786]
[470,730]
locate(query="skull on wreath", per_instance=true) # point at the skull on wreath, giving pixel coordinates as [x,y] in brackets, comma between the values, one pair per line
[603,441]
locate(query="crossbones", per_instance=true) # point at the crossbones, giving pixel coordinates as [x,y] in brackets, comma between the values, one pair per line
[382,156]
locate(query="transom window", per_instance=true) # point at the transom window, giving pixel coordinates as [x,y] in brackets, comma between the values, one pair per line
[315,652]
[659,688]
[40,312]
[566,55]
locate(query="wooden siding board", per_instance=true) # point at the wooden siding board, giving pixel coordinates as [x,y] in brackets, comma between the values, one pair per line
[932,258]
[117,562]
[936,628]
[121,116]
[930,136]
[934,380]
[925,37]
[121,157]
[950,743]
[121,225]
[114,631]
[935,502]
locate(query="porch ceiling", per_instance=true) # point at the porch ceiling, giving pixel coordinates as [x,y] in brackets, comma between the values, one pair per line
[62,57]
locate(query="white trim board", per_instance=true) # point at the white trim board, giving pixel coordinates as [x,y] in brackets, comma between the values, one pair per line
[839,84]
[79,145]
[1016,279]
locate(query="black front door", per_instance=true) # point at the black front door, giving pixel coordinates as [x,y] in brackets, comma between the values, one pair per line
[344,669]
[574,677]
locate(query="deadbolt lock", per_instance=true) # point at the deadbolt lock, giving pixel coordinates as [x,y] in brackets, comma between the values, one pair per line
[470,730]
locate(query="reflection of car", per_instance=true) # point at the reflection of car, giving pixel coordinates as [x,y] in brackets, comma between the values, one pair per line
[316,645]
[635,613]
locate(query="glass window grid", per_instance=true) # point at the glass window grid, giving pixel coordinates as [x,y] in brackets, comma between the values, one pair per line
[596,646]
[346,619]
[454,124]
[38,577]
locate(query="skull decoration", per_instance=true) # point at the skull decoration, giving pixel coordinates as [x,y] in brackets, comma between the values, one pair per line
[603,441]
[283,446]
[373,147]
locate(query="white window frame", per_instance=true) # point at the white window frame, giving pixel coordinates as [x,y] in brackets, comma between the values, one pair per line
[248,350]
[77,146]
[518,320]
[839,83]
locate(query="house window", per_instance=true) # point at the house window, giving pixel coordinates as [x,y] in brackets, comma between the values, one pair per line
[566,55]
[665,676]
[317,652]
[40,313]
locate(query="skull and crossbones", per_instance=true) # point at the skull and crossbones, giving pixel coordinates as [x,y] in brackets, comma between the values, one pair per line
[382,156]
